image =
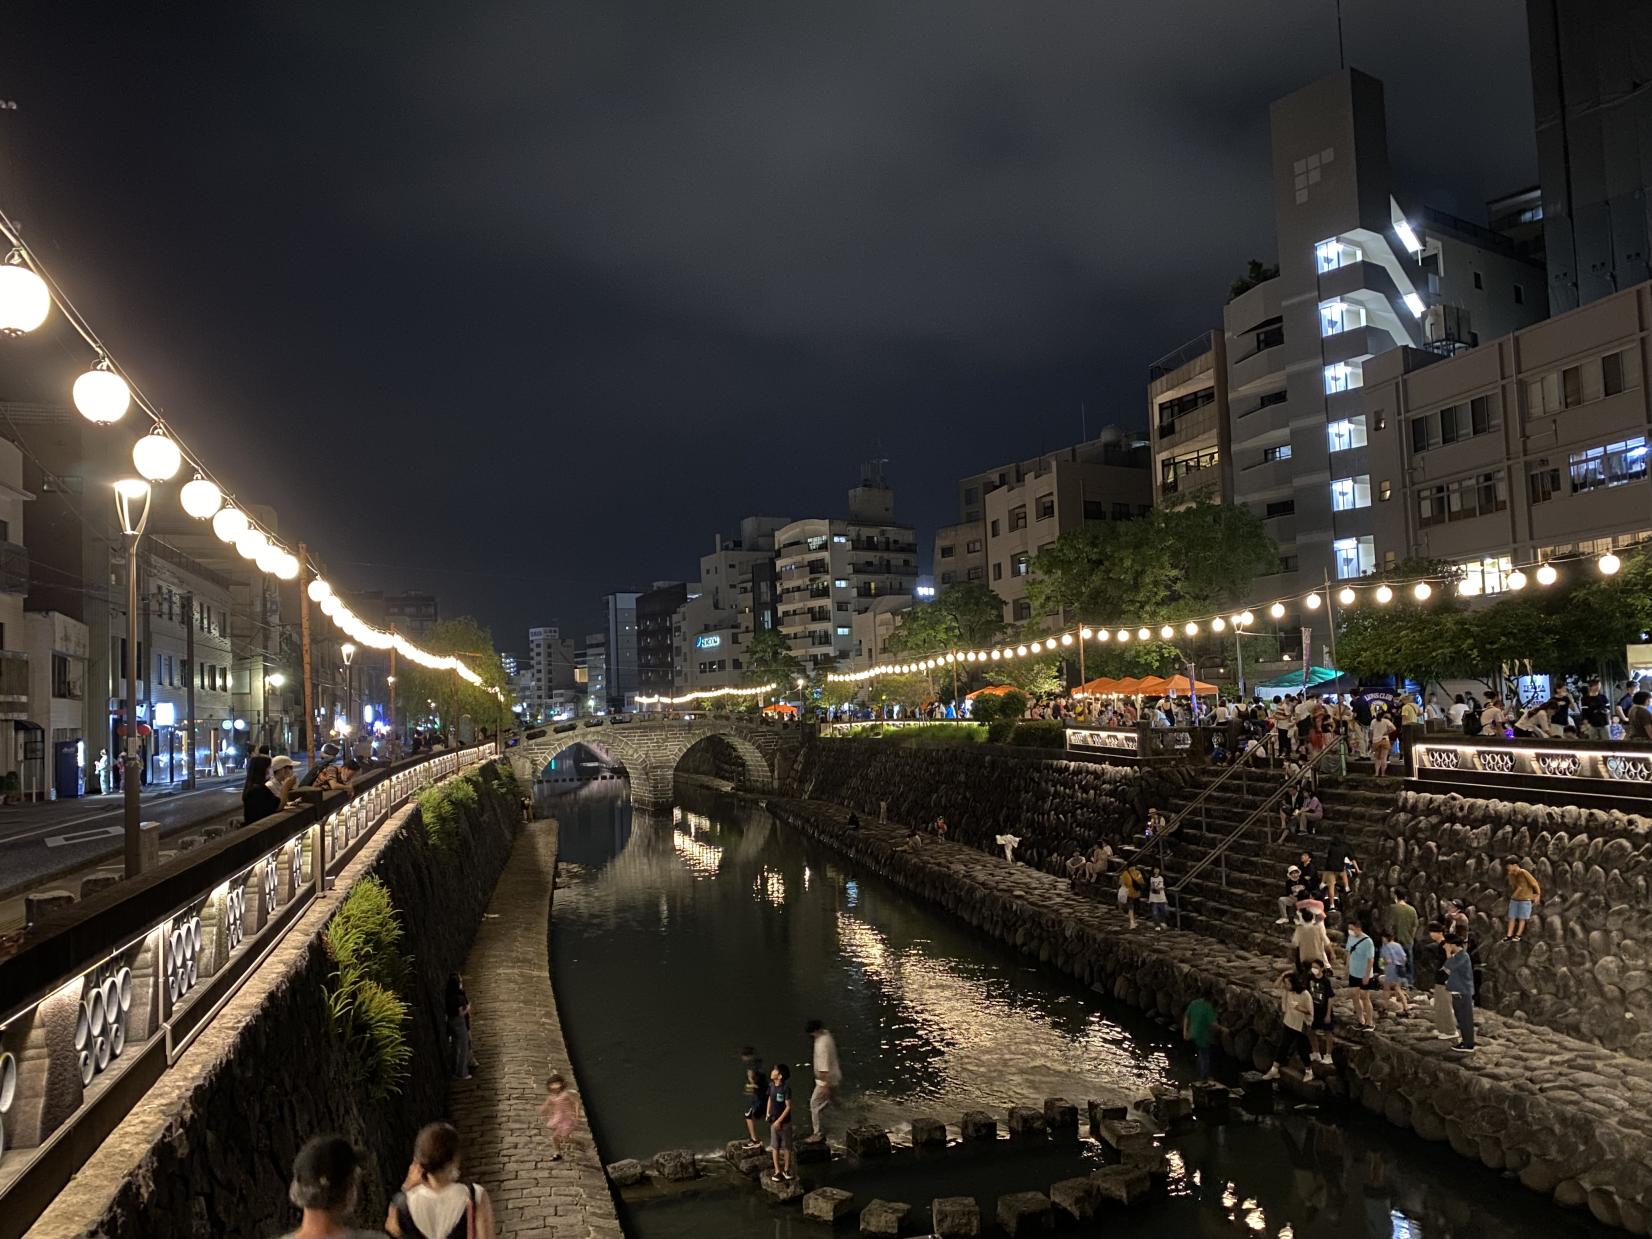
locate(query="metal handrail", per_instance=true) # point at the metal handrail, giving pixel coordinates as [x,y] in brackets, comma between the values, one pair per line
[1221,849]
[1174,824]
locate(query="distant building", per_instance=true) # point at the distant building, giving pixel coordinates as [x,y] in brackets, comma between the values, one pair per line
[593,663]
[553,686]
[829,570]
[1187,423]
[1021,508]
[734,598]
[656,648]
[620,644]
[411,612]
[186,611]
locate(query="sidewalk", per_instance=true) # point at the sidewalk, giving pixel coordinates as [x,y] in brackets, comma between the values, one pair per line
[519,1043]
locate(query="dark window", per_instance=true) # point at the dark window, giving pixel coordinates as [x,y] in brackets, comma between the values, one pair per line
[946,578]
[1273,397]
[947,551]
[1281,507]
[1422,433]
[1519,295]
[1095,510]
[1478,282]
[1023,609]
[995,529]
[1282,452]
[998,572]
[1287,563]
[972,494]
[1046,507]
[973,547]
[1018,517]
[1611,372]
[1121,511]
[975,574]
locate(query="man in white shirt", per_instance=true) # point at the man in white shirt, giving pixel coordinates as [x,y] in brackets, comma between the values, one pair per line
[1458,709]
[828,1075]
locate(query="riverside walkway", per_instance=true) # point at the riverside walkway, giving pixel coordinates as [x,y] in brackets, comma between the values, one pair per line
[1570,1119]
[518,1043]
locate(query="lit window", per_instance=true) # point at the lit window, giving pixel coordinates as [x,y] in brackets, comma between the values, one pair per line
[1346,434]
[1354,556]
[1329,255]
[1487,576]
[841,583]
[1343,376]
[1350,493]
[837,537]
[1282,452]
[1610,465]
[1336,317]
[842,632]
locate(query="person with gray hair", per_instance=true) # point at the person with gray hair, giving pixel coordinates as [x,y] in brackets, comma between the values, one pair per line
[327,1187]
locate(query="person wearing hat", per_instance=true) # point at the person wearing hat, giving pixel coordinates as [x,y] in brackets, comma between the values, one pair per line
[268,795]
[327,1186]
[1295,888]
[324,759]
[283,780]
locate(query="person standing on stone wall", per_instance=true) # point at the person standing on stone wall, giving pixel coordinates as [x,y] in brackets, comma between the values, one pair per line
[1402,919]
[1524,891]
[1322,1028]
[779,1116]
[1310,943]
[1431,964]
[1362,970]
[1130,887]
[1459,984]
[1296,1007]
[828,1076]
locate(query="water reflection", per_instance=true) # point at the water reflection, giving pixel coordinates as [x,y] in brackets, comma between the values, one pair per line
[680,937]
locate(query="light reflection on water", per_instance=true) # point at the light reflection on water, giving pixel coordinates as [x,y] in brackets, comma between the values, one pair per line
[678,938]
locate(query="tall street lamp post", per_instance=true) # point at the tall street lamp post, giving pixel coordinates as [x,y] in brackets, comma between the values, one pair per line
[132,499]
[348,649]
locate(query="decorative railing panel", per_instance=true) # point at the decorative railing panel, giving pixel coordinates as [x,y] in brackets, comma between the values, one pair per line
[1618,767]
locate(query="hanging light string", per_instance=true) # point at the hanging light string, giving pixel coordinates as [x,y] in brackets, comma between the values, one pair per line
[706,693]
[1420,589]
[104,393]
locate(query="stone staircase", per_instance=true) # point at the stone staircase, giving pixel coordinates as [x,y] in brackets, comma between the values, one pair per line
[1234,899]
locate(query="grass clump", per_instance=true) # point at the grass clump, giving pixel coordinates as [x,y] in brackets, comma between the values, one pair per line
[363,939]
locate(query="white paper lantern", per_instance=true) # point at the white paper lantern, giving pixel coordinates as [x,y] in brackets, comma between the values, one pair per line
[229,524]
[156,457]
[24,300]
[201,498]
[102,396]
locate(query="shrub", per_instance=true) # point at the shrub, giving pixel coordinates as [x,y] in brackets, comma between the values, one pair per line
[363,939]
[1040,733]
[1012,704]
[985,708]
[1000,730]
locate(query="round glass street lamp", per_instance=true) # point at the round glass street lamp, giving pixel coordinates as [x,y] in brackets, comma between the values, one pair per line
[156,456]
[24,299]
[101,395]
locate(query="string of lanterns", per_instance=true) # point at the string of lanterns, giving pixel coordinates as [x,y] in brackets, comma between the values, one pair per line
[103,395]
[1421,590]
[705,693]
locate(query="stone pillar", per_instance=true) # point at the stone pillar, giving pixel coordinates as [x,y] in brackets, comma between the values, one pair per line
[143,1017]
[49,1087]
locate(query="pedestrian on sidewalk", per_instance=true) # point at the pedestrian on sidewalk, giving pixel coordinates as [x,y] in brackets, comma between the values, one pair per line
[1392,956]
[326,1185]
[560,1110]
[1362,956]
[1524,891]
[433,1203]
[828,1076]
[1322,1028]
[755,1094]
[456,1004]
[1459,983]
[779,1116]
[1296,1006]
[1130,887]
[1158,902]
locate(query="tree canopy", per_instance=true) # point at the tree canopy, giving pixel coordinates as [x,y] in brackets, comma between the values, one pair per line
[962,616]
[1172,562]
[470,642]
[769,660]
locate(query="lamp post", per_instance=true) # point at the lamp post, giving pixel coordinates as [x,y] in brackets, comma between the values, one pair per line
[132,500]
[348,649]
[390,681]
[275,680]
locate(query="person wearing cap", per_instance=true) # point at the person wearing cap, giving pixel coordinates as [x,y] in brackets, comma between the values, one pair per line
[324,760]
[283,780]
[1295,888]
[327,1187]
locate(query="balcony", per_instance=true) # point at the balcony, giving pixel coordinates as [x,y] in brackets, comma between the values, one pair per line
[14,568]
[1257,369]
[14,684]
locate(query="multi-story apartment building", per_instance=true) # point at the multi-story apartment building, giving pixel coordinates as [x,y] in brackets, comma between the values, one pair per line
[1358,276]
[591,673]
[733,600]
[552,688]
[620,650]
[656,648]
[185,627]
[1018,509]
[1593,112]
[1529,447]
[829,570]
[1187,422]
[960,553]
[412,612]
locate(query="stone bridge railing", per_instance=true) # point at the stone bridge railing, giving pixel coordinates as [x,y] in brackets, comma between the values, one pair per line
[649,747]
[106,994]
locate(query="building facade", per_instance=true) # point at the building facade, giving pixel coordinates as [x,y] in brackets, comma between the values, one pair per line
[1530,447]
[412,612]
[552,688]
[620,650]
[656,643]
[734,599]
[1187,423]
[186,652]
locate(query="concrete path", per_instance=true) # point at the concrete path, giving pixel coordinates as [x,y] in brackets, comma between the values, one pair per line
[518,1041]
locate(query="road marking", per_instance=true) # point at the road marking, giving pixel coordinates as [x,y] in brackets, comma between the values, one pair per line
[154,802]
[83,836]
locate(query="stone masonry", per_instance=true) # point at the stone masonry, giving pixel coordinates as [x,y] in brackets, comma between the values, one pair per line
[1570,1119]
[518,1041]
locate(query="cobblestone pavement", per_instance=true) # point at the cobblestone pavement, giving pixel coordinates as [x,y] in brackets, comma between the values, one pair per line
[518,1042]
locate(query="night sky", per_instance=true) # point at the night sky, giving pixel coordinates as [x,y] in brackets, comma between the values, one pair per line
[521,303]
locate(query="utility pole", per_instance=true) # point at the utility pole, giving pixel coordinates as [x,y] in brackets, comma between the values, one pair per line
[304,631]
[146,650]
[395,742]
[189,689]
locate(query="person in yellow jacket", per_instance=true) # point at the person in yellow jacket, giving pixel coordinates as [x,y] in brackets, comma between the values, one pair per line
[1524,891]
[1130,888]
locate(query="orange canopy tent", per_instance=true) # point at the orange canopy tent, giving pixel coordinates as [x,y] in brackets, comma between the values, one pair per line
[1101,686]
[1175,684]
[780,707]
[1129,685]
[991,690]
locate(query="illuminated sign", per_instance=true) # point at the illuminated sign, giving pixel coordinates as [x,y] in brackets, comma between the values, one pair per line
[166,714]
[707,641]
[926,591]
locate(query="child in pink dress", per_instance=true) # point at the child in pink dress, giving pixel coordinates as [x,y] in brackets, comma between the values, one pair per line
[560,1112]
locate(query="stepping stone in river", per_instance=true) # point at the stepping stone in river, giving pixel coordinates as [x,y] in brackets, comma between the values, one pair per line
[1021,1214]
[1212,1100]
[1061,1118]
[676,1165]
[1075,1199]
[955,1217]
[1122,1184]
[625,1173]
[867,1141]
[1126,1136]
[1025,1123]
[883,1217]
[806,1151]
[928,1133]
[782,1189]
[1259,1092]
[827,1204]
[979,1125]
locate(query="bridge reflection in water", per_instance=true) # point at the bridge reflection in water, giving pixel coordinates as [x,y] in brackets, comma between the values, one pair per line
[677,937]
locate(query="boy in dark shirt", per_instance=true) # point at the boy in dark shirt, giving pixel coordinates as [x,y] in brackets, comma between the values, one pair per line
[755,1095]
[779,1114]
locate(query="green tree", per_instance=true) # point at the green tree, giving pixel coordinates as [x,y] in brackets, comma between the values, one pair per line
[769,660]
[1034,676]
[472,644]
[962,616]
[1200,558]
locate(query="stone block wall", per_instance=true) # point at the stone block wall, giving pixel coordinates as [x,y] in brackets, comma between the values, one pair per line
[1583,967]
[1054,806]
[223,1164]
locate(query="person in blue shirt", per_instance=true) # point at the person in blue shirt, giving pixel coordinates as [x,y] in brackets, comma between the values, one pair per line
[1362,971]
[779,1116]
[1393,972]
[1459,983]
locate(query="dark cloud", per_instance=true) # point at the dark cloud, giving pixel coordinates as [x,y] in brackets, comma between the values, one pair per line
[524,301]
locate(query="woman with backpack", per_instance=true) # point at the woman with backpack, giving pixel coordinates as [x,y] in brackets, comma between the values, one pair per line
[433,1203]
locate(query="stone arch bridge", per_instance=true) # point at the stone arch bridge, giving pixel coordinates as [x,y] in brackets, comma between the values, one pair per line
[651,749]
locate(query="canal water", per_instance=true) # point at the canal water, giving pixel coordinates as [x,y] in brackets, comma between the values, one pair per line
[678,937]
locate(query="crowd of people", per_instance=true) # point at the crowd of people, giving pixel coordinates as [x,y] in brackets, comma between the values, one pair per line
[273,780]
